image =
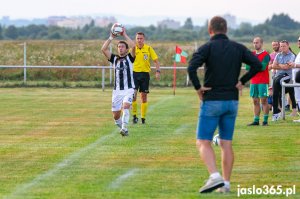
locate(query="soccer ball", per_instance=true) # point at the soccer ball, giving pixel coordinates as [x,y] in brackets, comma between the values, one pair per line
[216,140]
[117,29]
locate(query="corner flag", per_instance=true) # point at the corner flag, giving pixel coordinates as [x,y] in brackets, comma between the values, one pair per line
[180,55]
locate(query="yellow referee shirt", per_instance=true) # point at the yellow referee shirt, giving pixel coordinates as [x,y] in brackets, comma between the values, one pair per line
[142,58]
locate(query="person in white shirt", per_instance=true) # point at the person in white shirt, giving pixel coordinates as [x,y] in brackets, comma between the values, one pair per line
[296,77]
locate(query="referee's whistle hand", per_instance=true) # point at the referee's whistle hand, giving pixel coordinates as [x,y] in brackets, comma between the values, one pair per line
[157,76]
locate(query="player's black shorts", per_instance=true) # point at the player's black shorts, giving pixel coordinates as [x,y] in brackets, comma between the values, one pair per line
[141,81]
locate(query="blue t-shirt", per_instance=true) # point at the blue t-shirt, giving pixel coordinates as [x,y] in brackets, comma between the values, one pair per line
[284,59]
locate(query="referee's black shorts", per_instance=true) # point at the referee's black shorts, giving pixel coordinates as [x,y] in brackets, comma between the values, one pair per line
[141,81]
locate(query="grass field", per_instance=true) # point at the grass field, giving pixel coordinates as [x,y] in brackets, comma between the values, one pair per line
[61,143]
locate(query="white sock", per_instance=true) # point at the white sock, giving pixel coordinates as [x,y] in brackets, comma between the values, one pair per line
[118,122]
[227,184]
[125,118]
[215,175]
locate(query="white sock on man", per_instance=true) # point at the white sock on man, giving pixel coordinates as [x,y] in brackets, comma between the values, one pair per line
[125,118]
[118,122]
[227,184]
[215,175]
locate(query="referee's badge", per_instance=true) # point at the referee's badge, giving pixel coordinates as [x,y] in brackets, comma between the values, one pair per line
[145,56]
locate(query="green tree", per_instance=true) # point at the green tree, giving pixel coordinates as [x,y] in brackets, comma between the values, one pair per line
[34,31]
[92,24]
[1,30]
[11,32]
[245,29]
[55,35]
[188,24]
[93,33]
[283,21]
[203,33]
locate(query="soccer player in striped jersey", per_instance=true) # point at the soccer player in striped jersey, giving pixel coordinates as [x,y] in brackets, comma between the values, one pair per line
[123,92]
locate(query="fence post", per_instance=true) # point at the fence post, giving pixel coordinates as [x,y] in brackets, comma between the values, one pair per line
[24,71]
[283,100]
[110,70]
[103,79]
[187,80]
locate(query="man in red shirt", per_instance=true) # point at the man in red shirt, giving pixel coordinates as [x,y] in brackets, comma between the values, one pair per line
[259,84]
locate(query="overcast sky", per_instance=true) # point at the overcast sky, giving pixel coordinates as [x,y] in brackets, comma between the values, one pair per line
[256,10]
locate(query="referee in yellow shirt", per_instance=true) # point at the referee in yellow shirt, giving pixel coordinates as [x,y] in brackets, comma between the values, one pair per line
[141,74]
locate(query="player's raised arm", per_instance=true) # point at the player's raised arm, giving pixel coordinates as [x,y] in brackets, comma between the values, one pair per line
[131,43]
[105,49]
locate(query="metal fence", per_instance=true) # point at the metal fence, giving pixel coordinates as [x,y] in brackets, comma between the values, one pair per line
[103,68]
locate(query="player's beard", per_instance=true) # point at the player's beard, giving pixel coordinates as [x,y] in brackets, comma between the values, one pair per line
[123,54]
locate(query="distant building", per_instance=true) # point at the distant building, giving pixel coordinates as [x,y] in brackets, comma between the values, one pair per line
[53,20]
[169,23]
[231,21]
[74,22]
[104,21]
[5,19]
[79,22]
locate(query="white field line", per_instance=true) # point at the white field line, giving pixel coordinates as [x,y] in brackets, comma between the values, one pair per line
[152,107]
[23,188]
[181,129]
[118,182]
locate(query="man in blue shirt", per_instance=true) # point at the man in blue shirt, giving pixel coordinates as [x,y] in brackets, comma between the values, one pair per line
[283,73]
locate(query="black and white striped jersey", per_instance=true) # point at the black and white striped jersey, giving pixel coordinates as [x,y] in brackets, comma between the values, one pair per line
[123,71]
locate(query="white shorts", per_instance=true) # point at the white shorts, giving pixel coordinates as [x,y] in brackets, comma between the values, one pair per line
[121,96]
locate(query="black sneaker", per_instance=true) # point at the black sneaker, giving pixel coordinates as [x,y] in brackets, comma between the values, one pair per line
[124,132]
[143,121]
[135,120]
[253,124]
[265,124]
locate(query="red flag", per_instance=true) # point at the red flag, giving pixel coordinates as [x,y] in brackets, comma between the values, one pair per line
[178,50]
